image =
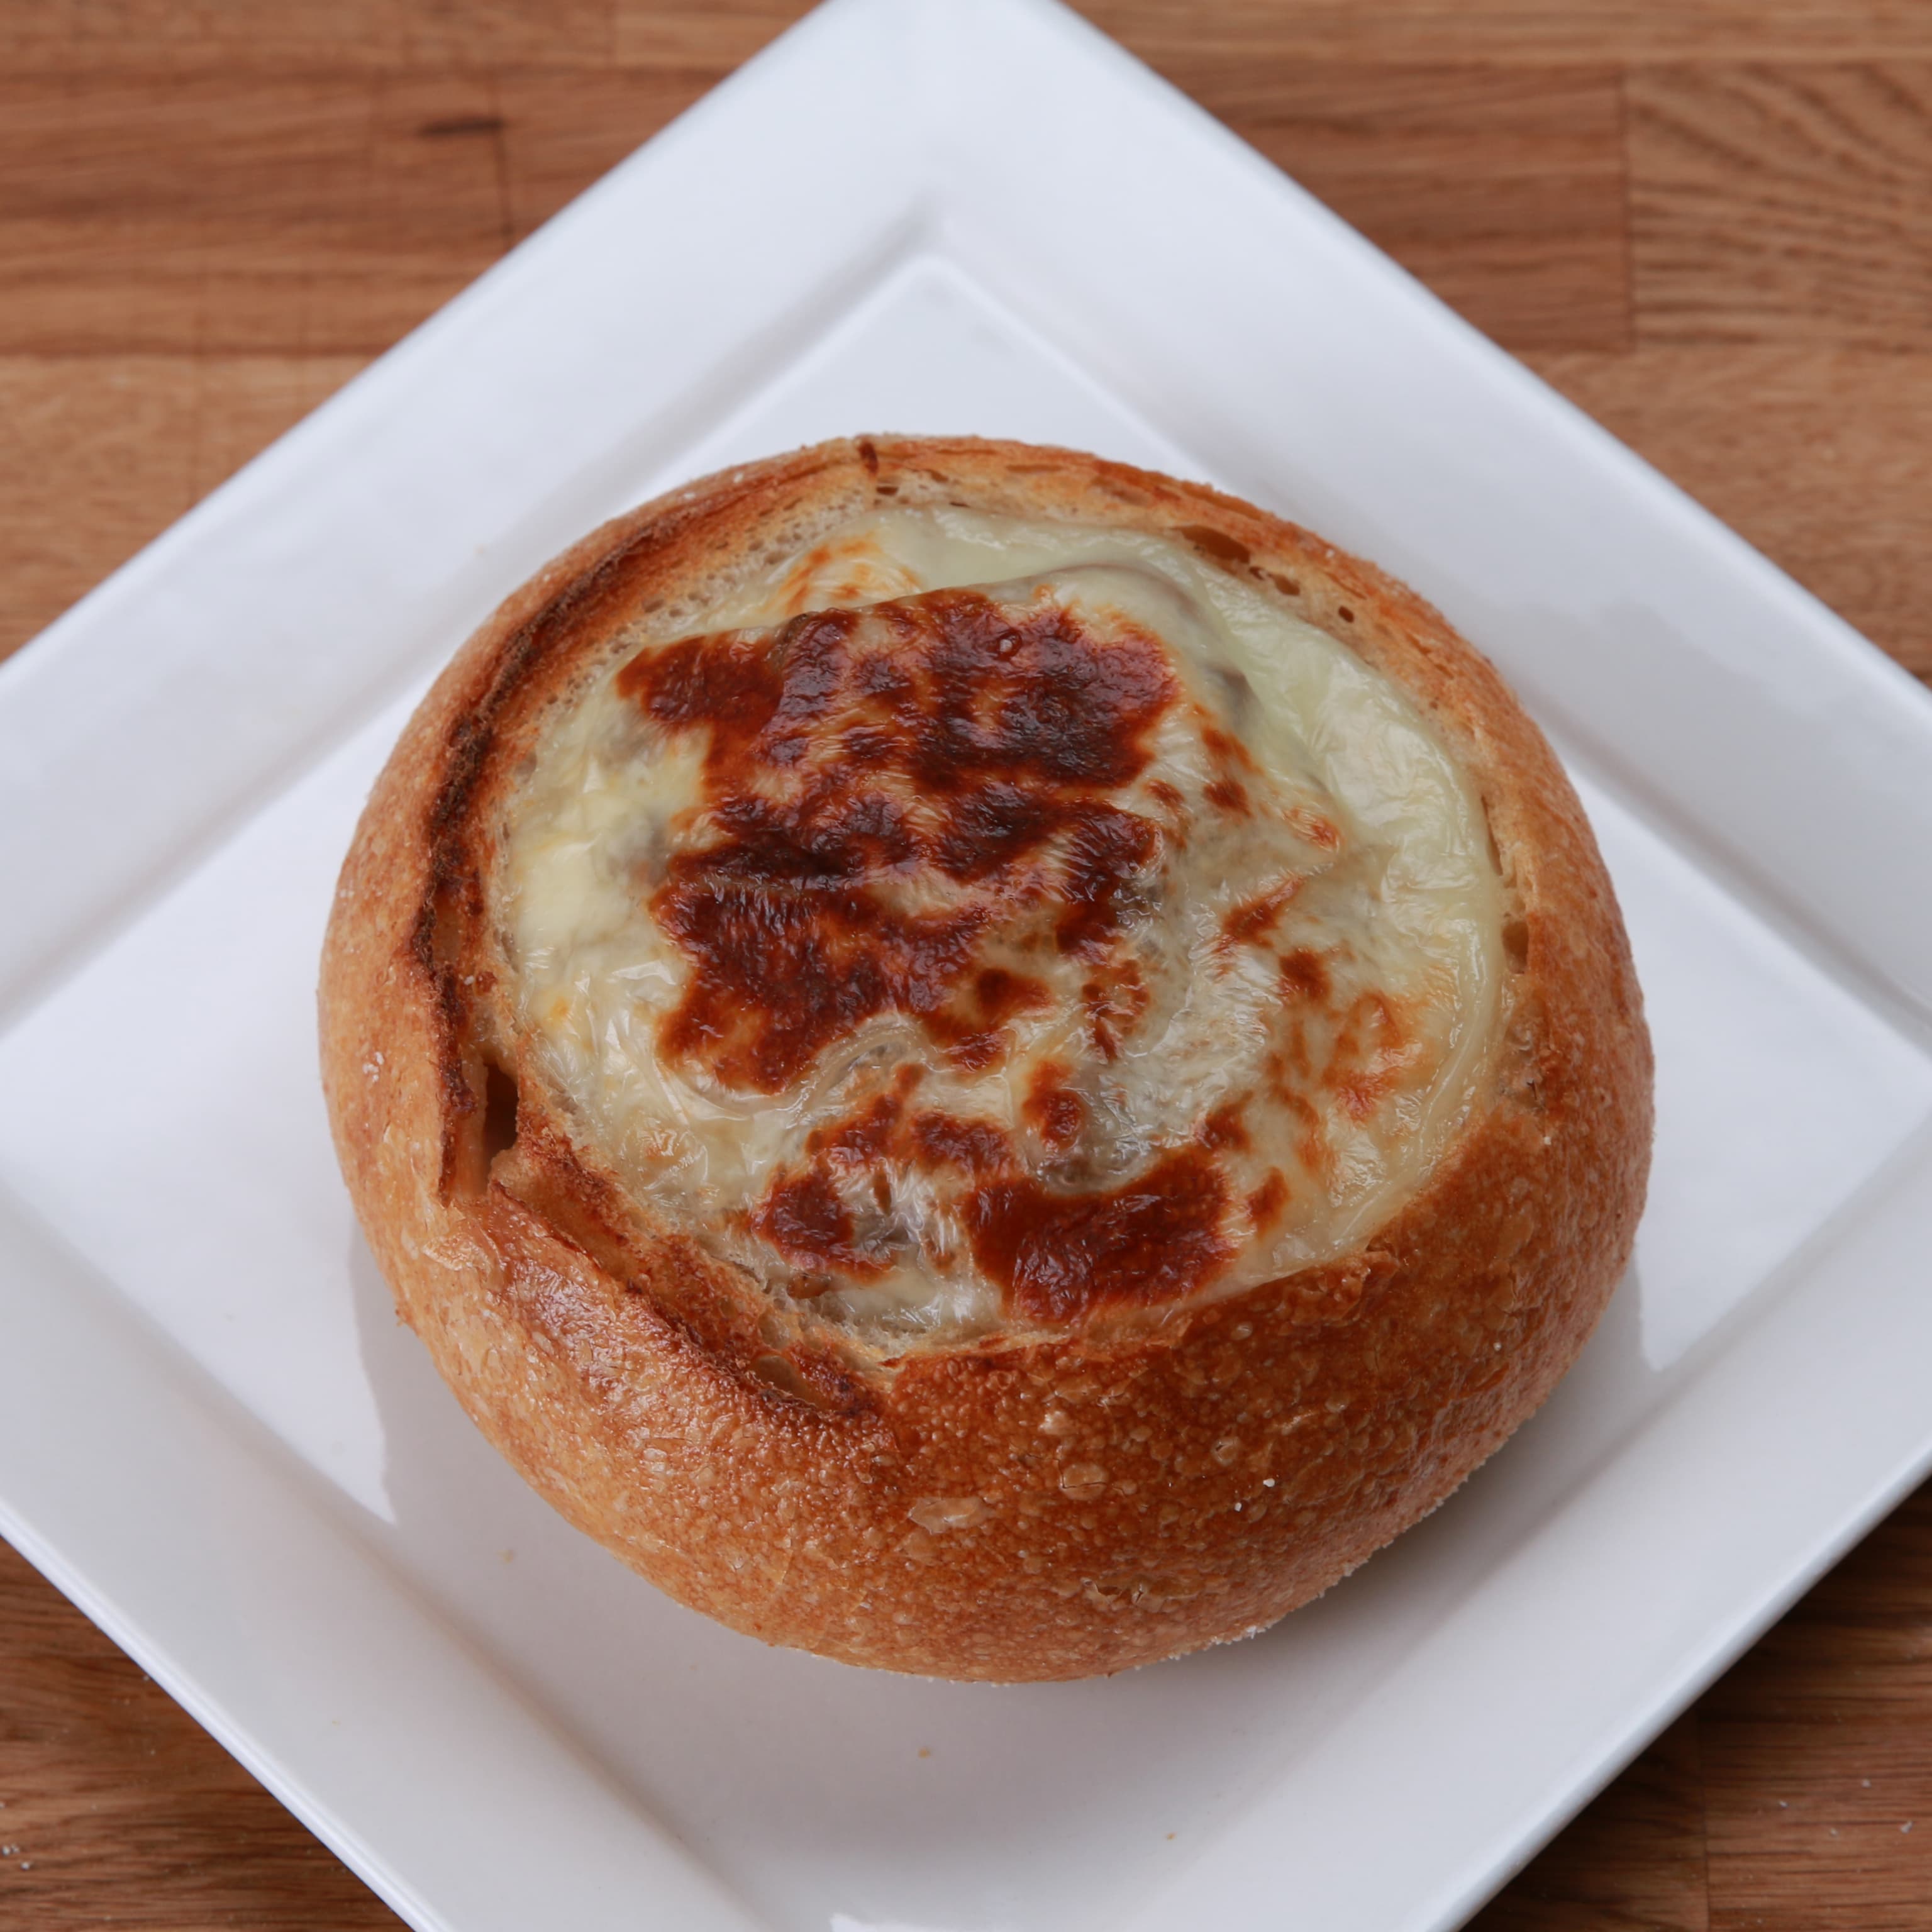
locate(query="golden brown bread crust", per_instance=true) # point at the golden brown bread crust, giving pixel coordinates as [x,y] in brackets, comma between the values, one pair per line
[1043,1505]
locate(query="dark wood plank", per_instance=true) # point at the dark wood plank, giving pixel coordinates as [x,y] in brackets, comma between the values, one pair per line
[152,36]
[1502,33]
[305,213]
[96,458]
[302,213]
[1818,1763]
[1795,1796]
[1499,32]
[1633,1861]
[328,213]
[119,1808]
[1501,188]
[1505,190]
[155,37]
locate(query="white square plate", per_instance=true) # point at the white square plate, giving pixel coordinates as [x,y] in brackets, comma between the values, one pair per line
[914,215]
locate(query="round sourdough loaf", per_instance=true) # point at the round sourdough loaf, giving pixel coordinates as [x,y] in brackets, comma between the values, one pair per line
[982,1062]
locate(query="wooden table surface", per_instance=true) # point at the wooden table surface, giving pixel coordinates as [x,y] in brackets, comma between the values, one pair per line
[1709,222]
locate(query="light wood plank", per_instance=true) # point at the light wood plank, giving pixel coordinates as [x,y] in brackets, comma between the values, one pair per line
[1821,457]
[698,32]
[563,129]
[96,458]
[99,454]
[1782,204]
[1531,33]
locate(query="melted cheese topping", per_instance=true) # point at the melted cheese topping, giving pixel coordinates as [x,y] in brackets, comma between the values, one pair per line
[986,922]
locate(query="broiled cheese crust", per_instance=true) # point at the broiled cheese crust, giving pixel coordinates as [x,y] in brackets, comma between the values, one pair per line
[913,1107]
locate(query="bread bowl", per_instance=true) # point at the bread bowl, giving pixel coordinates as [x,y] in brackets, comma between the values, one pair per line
[981,1062]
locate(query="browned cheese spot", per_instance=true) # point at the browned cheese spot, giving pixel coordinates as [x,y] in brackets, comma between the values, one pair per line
[1373,1047]
[945,738]
[1254,919]
[1303,977]
[1266,1203]
[1154,1238]
[1053,1110]
[803,1217]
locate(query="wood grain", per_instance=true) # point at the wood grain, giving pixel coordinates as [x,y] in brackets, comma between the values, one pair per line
[153,36]
[1795,1796]
[1710,224]
[1635,1861]
[1781,204]
[1503,189]
[99,454]
[563,129]
[314,213]
[1818,1766]
[304,214]
[1520,32]
[116,1807]
[1501,33]
[1822,458]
